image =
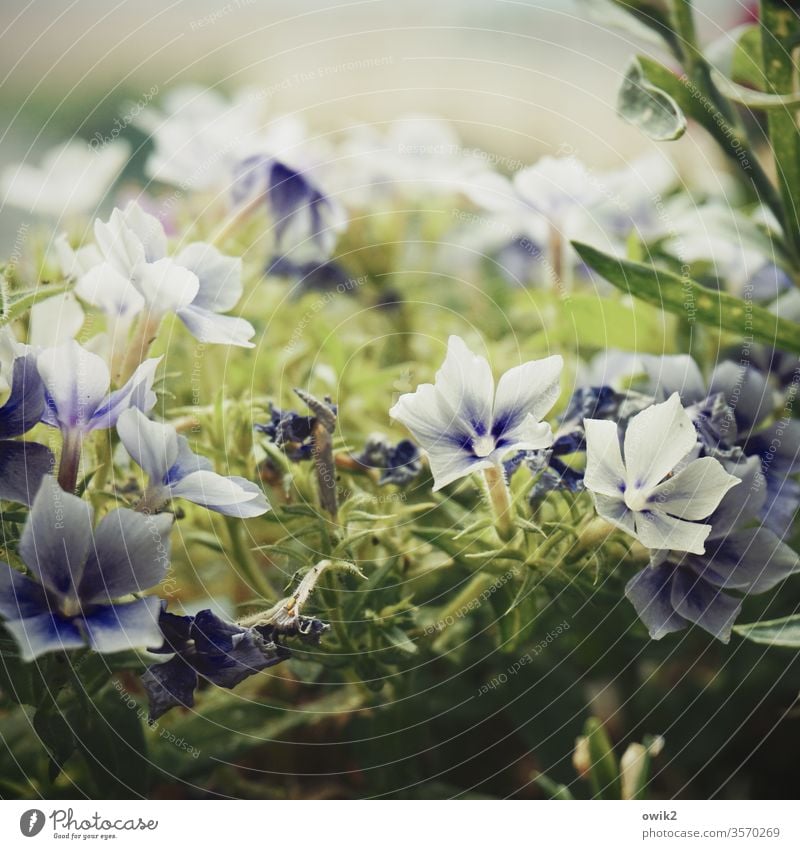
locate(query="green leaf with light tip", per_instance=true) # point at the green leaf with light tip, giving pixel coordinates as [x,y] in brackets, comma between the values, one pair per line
[648,107]
[684,297]
[775,632]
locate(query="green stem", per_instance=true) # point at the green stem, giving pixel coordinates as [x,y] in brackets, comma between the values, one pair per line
[500,500]
[72,441]
[243,561]
[780,34]
[144,334]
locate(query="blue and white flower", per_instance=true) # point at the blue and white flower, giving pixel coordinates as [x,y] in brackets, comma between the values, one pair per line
[22,464]
[464,425]
[175,471]
[77,384]
[662,490]
[81,576]
[136,275]
[679,589]
[307,221]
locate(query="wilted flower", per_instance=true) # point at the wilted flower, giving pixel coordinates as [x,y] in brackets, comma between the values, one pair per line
[679,589]
[72,179]
[175,471]
[22,464]
[659,493]
[463,425]
[80,573]
[225,653]
[292,432]
[398,464]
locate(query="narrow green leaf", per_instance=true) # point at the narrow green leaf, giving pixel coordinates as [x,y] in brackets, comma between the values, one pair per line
[774,632]
[15,307]
[649,108]
[684,297]
[552,789]
[604,769]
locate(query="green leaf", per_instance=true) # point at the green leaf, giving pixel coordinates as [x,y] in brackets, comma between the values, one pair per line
[648,107]
[552,789]
[684,297]
[16,307]
[774,632]
[604,769]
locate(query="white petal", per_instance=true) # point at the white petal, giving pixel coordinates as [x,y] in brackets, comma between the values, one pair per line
[73,262]
[111,292]
[211,490]
[696,491]
[216,329]
[152,445]
[137,392]
[166,286]
[529,389]
[220,276]
[119,244]
[615,511]
[148,229]
[660,532]
[448,466]
[656,440]
[76,381]
[431,420]
[605,473]
[465,382]
[54,321]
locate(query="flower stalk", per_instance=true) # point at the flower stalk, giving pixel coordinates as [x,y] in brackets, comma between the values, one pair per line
[500,500]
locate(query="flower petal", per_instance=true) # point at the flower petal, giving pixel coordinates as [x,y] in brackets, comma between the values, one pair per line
[432,421]
[38,635]
[136,393]
[675,373]
[753,560]
[76,383]
[148,229]
[256,506]
[448,466]
[696,491]
[527,390]
[166,286]
[613,509]
[20,597]
[660,532]
[168,685]
[465,382]
[605,472]
[656,440]
[111,292]
[152,445]
[22,467]
[130,554]
[25,404]
[650,593]
[219,276]
[208,489]
[215,329]
[706,606]
[119,244]
[56,539]
[119,627]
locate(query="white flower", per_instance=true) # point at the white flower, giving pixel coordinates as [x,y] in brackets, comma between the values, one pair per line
[198,284]
[72,179]
[655,494]
[175,471]
[463,425]
[77,385]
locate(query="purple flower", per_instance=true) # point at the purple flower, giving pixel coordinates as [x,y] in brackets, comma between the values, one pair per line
[679,589]
[77,575]
[307,222]
[291,432]
[22,464]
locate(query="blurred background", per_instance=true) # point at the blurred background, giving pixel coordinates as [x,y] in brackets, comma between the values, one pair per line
[518,78]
